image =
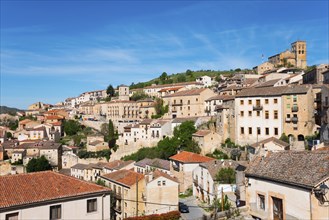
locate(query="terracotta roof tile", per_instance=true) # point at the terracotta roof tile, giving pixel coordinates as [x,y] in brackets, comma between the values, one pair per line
[36,187]
[189,157]
[125,177]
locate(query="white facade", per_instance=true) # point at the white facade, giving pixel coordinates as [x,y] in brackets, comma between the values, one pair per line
[296,201]
[258,118]
[161,191]
[74,209]
[205,80]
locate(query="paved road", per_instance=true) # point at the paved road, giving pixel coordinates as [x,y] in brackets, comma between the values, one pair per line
[195,213]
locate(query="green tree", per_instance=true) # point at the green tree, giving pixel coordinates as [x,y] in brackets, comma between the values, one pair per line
[110,91]
[39,164]
[112,135]
[163,76]
[181,78]
[139,95]
[71,127]
[160,109]
[226,176]
[284,138]
[184,132]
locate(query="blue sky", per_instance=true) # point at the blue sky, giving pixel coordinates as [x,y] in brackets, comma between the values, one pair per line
[51,50]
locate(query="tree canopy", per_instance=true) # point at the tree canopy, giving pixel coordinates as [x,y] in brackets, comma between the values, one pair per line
[110,91]
[226,176]
[39,164]
[71,127]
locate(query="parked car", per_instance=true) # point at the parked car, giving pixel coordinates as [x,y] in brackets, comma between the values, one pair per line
[183,208]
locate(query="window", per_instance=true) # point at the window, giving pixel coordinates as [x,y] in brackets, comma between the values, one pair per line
[250,130]
[266,115]
[159,183]
[163,182]
[275,114]
[288,96]
[242,130]
[249,102]
[12,216]
[258,130]
[188,102]
[267,131]
[258,113]
[276,131]
[241,113]
[261,200]
[275,101]
[91,205]
[257,102]
[241,102]
[295,98]
[288,106]
[266,101]
[55,212]
[249,113]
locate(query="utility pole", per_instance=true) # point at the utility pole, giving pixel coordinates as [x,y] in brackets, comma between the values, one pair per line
[136,195]
[222,199]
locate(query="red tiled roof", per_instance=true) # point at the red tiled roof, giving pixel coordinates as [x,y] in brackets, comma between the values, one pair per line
[51,117]
[189,157]
[125,177]
[25,121]
[56,123]
[36,187]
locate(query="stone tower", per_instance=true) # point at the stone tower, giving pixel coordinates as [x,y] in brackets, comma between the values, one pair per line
[124,92]
[299,49]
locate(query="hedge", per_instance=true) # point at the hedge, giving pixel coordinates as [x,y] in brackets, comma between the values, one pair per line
[174,215]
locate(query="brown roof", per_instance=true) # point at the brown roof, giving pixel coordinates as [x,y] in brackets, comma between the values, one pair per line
[202,133]
[158,173]
[274,91]
[214,166]
[300,168]
[118,164]
[52,117]
[189,157]
[37,187]
[124,177]
[269,83]
[221,97]
[25,121]
[187,92]
[275,140]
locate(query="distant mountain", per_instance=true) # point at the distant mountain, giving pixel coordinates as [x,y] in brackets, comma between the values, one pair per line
[8,110]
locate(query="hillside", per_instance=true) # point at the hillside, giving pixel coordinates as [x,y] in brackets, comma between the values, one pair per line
[8,110]
[187,76]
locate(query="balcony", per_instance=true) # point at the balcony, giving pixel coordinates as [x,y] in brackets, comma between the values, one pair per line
[288,119]
[294,119]
[294,108]
[257,212]
[174,110]
[177,104]
[257,108]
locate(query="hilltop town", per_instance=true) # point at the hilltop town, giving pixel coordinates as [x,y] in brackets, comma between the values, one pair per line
[242,144]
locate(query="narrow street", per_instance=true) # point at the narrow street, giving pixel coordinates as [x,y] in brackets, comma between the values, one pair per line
[196,213]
